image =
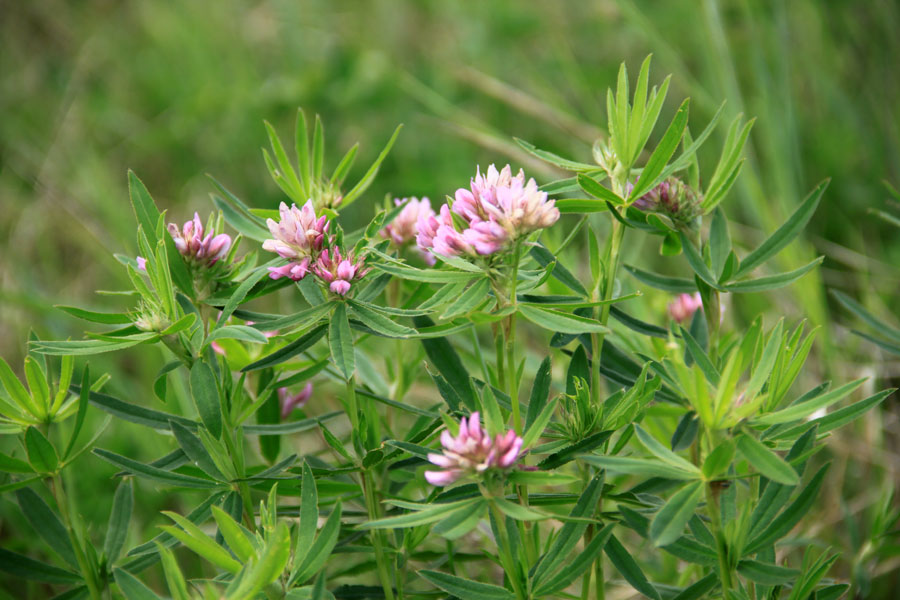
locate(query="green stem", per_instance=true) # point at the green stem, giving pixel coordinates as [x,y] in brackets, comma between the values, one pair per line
[506,557]
[512,375]
[90,575]
[381,564]
[715,517]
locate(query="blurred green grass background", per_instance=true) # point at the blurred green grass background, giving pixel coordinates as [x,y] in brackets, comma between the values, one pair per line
[177,90]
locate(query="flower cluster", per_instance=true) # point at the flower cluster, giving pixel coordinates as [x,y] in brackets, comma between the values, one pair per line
[472,452]
[405,226]
[496,209]
[289,402]
[298,237]
[197,249]
[338,270]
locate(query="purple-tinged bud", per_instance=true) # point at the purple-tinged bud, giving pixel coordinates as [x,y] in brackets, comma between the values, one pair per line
[339,271]
[671,197]
[141,263]
[289,401]
[196,248]
[472,452]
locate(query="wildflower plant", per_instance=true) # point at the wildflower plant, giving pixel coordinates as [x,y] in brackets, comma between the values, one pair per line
[441,453]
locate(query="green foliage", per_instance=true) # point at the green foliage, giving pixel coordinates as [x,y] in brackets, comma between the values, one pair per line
[583,475]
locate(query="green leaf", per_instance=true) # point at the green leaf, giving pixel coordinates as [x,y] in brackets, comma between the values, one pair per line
[205,392]
[321,548]
[772,282]
[663,152]
[562,322]
[474,296]
[860,311]
[134,413]
[785,234]
[554,159]
[8,464]
[340,340]
[37,384]
[571,451]
[719,242]
[96,317]
[367,179]
[838,418]
[448,363]
[154,473]
[593,187]
[804,409]
[766,573]
[697,263]
[466,589]
[640,466]
[309,513]
[581,563]
[27,568]
[427,275]
[237,332]
[718,460]
[668,524]
[677,285]
[271,563]
[144,208]
[193,537]
[289,351]
[424,514]
[41,453]
[174,579]
[540,390]
[119,517]
[239,294]
[663,453]
[132,587]
[700,357]
[535,429]
[378,322]
[234,535]
[290,426]
[16,390]
[517,512]
[629,569]
[47,525]
[195,450]
[571,531]
[765,461]
[88,347]
[699,589]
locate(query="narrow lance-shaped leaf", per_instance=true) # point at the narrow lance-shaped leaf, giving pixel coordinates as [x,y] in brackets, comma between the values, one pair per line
[205,393]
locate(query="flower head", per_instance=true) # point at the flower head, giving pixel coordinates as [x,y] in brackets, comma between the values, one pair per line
[472,452]
[684,306]
[405,226]
[298,237]
[511,202]
[496,209]
[196,248]
[290,401]
[339,270]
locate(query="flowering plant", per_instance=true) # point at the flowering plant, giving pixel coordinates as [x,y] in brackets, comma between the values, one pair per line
[416,443]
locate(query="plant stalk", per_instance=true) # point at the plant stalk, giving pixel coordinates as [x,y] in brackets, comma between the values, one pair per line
[90,576]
